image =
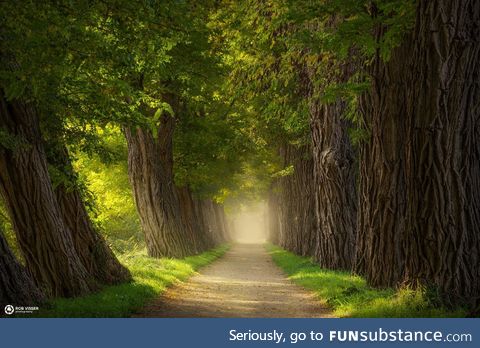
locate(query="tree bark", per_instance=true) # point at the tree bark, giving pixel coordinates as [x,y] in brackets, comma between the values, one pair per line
[222,222]
[443,152]
[381,216]
[213,225]
[92,249]
[45,240]
[194,220]
[16,286]
[334,186]
[150,167]
[273,215]
[297,218]
[420,205]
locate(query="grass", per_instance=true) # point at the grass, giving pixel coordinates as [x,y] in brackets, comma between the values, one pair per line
[150,278]
[349,296]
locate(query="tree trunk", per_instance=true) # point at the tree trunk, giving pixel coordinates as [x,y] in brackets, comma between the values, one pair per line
[94,252]
[334,186]
[442,242]
[297,218]
[45,240]
[419,203]
[213,225]
[16,286]
[150,168]
[381,203]
[193,220]
[222,222]
[273,215]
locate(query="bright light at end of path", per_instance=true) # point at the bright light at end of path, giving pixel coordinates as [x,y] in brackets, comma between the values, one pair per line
[249,224]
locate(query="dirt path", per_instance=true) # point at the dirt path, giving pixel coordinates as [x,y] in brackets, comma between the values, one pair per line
[243,283]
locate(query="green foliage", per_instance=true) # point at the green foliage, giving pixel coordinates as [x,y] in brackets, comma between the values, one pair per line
[349,296]
[286,54]
[87,65]
[114,208]
[10,141]
[264,75]
[6,230]
[151,277]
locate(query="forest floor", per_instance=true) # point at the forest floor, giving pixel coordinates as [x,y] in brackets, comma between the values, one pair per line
[246,283]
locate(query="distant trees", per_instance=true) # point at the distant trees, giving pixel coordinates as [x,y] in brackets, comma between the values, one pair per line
[290,80]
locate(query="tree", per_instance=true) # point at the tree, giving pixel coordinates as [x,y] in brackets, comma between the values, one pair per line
[442,233]
[91,247]
[334,186]
[289,76]
[45,240]
[42,92]
[297,215]
[150,164]
[418,221]
[16,286]
[165,74]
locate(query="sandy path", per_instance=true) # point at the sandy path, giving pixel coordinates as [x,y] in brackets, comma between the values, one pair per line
[243,283]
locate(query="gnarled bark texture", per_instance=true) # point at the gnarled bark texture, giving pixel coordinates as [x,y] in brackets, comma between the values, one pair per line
[92,249]
[420,195]
[16,286]
[150,167]
[45,240]
[381,202]
[443,152]
[334,187]
[214,222]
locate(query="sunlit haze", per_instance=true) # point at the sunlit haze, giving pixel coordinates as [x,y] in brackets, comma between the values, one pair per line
[249,225]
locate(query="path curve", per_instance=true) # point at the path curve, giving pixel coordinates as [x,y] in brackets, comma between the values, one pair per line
[244,283]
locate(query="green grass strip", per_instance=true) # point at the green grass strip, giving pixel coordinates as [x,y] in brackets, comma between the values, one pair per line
[349,296]
[151,277]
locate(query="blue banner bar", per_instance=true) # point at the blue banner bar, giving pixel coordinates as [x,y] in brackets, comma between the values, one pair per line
[177,333]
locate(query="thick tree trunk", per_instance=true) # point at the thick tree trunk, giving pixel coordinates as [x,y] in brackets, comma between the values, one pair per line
[45,240]
[443,152]
[16,286]
[334,186]
[420,205]
[381,203]
[94,252]
[150,167]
